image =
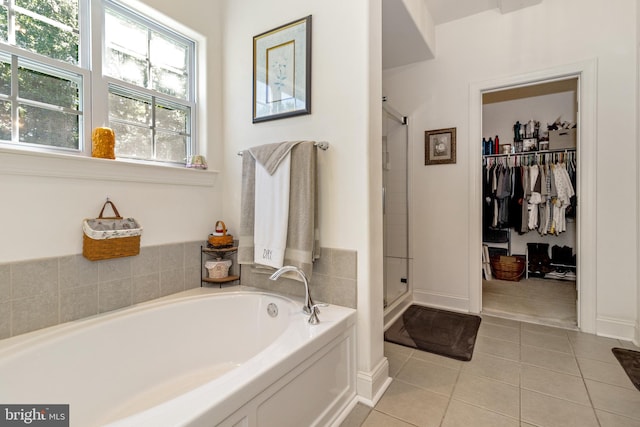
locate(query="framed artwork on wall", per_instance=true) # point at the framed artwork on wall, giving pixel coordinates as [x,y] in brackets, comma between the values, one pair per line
[282,71]
[440,146]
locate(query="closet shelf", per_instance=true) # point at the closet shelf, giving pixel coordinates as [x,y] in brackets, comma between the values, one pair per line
[528,153]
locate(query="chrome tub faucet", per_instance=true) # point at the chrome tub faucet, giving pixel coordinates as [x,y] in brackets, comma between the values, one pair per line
[309,307]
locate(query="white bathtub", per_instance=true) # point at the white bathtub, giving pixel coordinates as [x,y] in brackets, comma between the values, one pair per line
[203,358]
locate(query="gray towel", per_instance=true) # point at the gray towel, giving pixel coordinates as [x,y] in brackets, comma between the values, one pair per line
[270,155]
[302,238]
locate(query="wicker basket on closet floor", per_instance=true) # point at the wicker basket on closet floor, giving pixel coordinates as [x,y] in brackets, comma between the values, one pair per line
[507,267]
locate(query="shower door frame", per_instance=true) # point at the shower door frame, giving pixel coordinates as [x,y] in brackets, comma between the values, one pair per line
[403,121]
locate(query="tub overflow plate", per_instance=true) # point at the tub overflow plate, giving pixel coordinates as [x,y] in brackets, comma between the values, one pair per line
[272,309]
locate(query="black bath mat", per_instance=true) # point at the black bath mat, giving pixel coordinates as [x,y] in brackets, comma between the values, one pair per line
[437,331]
[630,361]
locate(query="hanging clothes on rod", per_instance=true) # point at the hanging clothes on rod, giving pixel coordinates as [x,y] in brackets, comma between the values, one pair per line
[530,191]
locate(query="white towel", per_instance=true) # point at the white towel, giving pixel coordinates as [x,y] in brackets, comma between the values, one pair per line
[303,245]
[271,213]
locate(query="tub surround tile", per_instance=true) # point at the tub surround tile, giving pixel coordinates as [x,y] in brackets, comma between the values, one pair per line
[171,281]
[30,278]
[5,319]
[147,262]
[145,288]
[344,263]
[5,282]
[79,302]
[114,294]
[37,312]
[76,270]
[113,269]
[71,287]
[192,277]
[192,254]
[333,290]
[333,280]
[171,256]
[323,265]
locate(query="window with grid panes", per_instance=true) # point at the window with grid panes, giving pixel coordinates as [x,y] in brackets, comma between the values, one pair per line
[149,73]
[41,77]
[145,68]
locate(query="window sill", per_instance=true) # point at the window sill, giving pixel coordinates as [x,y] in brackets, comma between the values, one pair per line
[32,163]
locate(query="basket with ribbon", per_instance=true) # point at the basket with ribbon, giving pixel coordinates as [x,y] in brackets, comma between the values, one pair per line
[220,239]
[110,237]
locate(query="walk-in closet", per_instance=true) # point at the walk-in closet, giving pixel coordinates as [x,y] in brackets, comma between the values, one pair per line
[529,205]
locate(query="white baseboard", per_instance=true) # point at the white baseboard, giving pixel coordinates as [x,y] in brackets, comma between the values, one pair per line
[371,386]
[611,327]
[437,300]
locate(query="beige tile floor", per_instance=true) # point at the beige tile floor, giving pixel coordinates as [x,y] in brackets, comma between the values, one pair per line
[521,375]
[550,302]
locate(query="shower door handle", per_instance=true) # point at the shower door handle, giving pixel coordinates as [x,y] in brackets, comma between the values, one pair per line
[384,200]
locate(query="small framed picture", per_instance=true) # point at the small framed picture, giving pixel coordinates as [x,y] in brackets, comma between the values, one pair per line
[440,146]
[282,71]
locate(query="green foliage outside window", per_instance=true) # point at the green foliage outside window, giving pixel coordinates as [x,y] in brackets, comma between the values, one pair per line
[45,100]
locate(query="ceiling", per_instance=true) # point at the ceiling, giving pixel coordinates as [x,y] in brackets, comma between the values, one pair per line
[443,11]
[402,41]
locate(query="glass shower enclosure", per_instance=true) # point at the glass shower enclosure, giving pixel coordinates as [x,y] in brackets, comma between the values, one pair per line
[395,195]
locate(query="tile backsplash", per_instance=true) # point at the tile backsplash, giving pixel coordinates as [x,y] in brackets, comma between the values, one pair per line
[333,280]
[38,293]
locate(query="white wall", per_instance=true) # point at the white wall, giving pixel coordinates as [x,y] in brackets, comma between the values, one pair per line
[488,46]
[344,87]
[43,199]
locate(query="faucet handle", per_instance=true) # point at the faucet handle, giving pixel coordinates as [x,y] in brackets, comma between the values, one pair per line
[313,315]
[313,308]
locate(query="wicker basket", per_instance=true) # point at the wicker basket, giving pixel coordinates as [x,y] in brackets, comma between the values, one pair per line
[110,237]
[507,268]
[224,241]
[218,269]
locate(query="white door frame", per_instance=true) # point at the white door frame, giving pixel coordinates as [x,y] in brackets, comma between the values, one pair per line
[586,72]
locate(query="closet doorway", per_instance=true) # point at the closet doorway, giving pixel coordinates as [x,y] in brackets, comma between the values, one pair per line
[395,199]
[529,202]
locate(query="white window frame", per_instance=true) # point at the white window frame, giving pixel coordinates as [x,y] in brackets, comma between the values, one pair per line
[101,83]
[81,69]
[94,92]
